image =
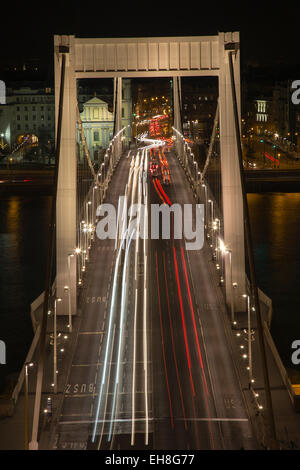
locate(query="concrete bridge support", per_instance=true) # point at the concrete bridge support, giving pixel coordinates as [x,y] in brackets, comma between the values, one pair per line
[177,103]
[66,193]
[231,184]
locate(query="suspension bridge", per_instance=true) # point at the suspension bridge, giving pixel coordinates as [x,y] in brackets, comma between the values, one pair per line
[166,346]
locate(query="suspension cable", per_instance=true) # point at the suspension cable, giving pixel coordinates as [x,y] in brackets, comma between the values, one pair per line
[212,140]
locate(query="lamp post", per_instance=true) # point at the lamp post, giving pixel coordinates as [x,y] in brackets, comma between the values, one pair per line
[205,204]
[216,231]
[195,171]
[78,264]
[57,299]
[226,251]
[83,244]
[103,171]
[95,202]
[249,337]
[211,218]
[198,186]
[70,255]
[87,212]
[26,423]
[88,228]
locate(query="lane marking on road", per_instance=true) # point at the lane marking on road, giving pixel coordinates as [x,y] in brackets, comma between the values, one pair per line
[119,420]
[128,420]
[215,419]
[101,332]
[96,364]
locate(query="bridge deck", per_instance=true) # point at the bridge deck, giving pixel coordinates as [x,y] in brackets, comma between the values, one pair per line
[220,417]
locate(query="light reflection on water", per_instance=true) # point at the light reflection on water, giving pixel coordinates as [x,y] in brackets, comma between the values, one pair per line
[23,245]
[275,223]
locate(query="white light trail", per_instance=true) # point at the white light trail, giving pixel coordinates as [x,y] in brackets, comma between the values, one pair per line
[109,336]
[152,142]
[134,371]
[121,325]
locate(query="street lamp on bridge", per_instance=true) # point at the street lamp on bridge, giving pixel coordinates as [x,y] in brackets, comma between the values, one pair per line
[226,251]
[57,299]
[26,424]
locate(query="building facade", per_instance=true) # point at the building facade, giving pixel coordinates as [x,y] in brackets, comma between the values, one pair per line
[98,125]
[28,112]
[275,116]
[98,121]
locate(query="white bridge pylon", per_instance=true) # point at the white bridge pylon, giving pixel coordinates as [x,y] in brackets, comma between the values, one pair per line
[172,57]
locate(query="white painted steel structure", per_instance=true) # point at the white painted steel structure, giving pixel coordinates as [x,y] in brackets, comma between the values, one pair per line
[148,57]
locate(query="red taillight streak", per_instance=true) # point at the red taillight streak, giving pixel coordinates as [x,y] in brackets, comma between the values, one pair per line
[163,192]
[158,192]
[173,344]
[198,346]
[183,321]
[193,315]
[270,157]
[163,346]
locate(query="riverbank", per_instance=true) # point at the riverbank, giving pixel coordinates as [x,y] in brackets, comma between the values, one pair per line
[38,180]
[26,180]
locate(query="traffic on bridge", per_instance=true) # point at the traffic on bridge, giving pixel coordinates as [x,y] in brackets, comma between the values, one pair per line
[152,332]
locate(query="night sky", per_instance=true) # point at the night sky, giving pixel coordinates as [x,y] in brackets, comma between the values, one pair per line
[269,31]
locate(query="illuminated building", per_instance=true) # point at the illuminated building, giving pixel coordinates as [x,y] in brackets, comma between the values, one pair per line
[29,110]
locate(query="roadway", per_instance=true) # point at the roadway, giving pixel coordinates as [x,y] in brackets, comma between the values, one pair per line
[200,405]
[152,367]
[74,425]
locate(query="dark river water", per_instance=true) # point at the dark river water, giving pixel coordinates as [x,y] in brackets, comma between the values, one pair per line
[275,220]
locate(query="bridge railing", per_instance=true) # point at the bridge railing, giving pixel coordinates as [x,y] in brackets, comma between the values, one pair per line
[94,195]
